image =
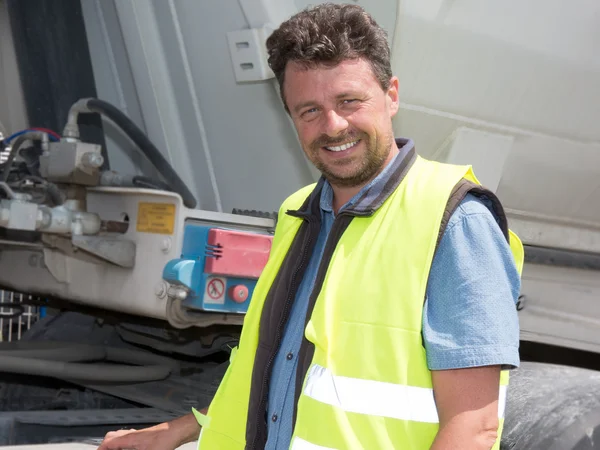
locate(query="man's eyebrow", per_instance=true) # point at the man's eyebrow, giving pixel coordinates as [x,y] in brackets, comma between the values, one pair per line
[346,95]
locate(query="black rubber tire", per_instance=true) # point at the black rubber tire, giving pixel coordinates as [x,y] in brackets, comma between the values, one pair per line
[552,407]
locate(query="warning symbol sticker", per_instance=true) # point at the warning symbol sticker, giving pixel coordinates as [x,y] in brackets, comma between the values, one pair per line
[158,218]
[215,291]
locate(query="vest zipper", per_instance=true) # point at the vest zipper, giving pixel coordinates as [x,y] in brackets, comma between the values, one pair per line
[286,310]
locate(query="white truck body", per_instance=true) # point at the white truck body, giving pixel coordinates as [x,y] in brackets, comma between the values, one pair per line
[511,87]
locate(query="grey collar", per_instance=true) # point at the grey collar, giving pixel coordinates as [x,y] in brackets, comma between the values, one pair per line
[375,193]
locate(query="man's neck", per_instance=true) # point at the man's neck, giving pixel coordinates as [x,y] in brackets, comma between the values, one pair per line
[343,194]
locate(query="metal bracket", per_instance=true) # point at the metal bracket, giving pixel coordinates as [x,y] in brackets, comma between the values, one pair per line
[119,252]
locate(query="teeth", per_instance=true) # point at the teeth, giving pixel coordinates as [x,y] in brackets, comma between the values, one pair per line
[342,147]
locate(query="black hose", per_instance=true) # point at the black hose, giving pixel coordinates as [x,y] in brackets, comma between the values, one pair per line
[14,149]
[52,189]
[150,183]
[83,372]
[54,193]
[39,358]
[53,351]
[146,146]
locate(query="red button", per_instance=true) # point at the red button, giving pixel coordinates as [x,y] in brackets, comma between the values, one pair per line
[239,293]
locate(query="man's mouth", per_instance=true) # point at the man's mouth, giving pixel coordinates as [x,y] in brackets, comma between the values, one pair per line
[341,148]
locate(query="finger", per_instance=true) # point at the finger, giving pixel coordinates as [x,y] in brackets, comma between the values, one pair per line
[117,433]
[118,440]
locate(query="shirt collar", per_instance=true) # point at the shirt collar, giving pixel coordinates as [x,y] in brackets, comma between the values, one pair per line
[375,186]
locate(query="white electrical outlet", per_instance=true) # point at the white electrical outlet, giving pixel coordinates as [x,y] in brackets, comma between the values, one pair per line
[249,55]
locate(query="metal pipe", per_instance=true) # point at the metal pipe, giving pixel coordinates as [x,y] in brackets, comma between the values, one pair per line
[151,367]
[7,189]
[562,258]
[61,220]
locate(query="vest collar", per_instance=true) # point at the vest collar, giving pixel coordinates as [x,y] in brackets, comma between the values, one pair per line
[373,195]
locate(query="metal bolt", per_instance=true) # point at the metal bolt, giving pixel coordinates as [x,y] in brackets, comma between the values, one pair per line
[177,292]
[165,245]
[161,290]
[92,160]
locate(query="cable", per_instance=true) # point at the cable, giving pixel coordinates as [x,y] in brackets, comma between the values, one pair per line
[49,131]
[137,136]
[12,136]
[52,134]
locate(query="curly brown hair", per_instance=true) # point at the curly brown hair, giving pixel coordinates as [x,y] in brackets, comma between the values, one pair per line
[329,34]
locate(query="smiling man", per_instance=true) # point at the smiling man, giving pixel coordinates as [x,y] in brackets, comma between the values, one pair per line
[337,111]
[385,317]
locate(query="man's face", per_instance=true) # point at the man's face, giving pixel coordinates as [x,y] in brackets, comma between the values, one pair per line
[343,119]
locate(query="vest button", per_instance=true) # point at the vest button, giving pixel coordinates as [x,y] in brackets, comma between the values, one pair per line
[290,356]
[274,418]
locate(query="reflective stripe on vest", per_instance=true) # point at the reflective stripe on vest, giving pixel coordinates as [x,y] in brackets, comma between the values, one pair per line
[395,401]
[301,444]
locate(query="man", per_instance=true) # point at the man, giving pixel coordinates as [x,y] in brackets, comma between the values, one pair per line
[385,318]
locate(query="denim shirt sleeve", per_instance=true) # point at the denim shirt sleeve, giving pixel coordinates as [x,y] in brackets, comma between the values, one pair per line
[469,317]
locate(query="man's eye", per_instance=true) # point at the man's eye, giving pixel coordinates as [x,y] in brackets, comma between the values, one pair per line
[350,100]
[309,112]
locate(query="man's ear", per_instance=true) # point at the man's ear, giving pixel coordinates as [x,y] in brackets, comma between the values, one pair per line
[393,96]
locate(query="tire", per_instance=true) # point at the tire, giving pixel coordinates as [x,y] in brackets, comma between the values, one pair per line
[552,407]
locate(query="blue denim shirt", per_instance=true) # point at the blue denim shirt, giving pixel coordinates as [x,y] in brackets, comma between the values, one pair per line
[473,281]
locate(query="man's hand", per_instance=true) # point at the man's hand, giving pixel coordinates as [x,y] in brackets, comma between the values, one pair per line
[467,404]
[164,436]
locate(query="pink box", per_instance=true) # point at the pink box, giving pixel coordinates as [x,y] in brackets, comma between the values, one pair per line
[237,253]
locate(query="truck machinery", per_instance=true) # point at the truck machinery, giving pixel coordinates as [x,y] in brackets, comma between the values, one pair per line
[168,116]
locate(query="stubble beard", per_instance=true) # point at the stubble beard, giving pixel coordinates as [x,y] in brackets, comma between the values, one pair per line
[370,165]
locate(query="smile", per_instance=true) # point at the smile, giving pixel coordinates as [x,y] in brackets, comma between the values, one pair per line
[343,147]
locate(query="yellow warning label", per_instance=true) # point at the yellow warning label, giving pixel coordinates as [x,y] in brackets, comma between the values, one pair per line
[156,218]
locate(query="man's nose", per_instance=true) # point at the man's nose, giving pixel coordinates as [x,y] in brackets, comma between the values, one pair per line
[335,123]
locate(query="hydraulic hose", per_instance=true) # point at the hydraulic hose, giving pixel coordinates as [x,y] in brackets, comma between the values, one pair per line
[52,350]
[138,137]
[54,193]
[83,372]
[115,179]
[65,361]
[150,183]
[52,189]
[16,145]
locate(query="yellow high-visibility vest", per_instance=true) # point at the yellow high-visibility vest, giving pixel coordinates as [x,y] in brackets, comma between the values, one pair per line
[368,385]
